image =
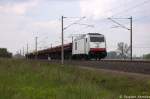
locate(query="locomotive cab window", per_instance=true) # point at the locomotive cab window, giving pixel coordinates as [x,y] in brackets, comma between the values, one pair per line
[97,39]
[75,45]
[86,40]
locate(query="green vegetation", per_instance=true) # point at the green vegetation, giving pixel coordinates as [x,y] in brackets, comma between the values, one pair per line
[4,53]
[146,56]
[20,79]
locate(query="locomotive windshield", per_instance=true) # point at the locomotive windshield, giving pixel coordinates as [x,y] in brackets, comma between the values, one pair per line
[97,39]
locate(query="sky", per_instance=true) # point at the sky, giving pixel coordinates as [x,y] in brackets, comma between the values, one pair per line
[22,20]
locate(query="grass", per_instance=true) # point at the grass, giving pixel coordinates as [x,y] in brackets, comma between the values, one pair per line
[21,79]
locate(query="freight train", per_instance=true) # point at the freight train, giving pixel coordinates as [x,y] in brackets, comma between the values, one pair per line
[87,46]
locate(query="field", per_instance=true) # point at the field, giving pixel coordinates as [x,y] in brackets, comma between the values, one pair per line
[22,79]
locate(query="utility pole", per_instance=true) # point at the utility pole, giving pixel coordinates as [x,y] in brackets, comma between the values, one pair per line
[130,29]
[51,45]
[27,48]
[72,40]
[36,47]
[23,51]
[131,36]
[27,52]
[20,52]
[62,33]
[62,46]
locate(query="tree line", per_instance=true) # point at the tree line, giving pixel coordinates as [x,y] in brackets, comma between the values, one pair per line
[4,53]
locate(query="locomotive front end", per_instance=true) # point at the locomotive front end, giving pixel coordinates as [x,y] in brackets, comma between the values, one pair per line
[97,46]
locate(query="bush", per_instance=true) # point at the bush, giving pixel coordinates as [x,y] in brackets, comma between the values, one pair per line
[4,53]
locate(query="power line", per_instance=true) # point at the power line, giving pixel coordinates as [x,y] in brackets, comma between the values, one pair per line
[126,10]
[120,25]
[81,18]
[133,7]
[137,5]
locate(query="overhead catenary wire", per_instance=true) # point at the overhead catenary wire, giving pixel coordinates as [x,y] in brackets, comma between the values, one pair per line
[133,7]
[73,22]
[126,10]
[118,23]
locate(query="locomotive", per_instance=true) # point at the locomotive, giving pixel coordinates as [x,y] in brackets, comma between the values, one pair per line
[87,46]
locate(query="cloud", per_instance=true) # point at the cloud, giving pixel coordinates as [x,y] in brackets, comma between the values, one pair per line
[46,24]
[105,8]
[17,7]
[18,27]
[96,8]
[16,31]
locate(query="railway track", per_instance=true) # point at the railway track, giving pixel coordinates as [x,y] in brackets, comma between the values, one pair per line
[135,66]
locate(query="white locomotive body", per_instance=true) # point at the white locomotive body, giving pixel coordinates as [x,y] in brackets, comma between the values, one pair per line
[91,45]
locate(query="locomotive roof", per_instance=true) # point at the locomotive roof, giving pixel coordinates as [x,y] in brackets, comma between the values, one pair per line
[94,34]
[83,36]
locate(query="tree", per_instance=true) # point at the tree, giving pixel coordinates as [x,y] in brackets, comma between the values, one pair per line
[4,53]
[146,56]
[123,49]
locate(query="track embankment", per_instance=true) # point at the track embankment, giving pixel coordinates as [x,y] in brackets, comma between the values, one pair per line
[117,65]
